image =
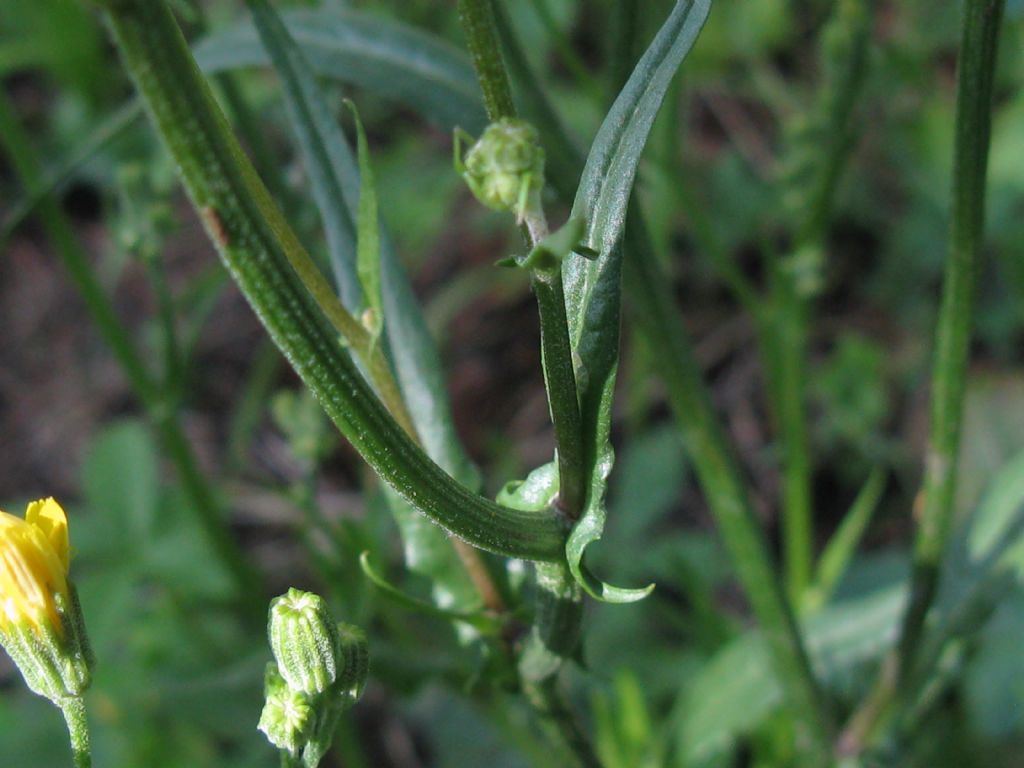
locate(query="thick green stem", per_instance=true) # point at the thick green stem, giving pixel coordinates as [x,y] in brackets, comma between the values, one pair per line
[78,730]
[934,510]
[949,374]
[160,412]
[262,253]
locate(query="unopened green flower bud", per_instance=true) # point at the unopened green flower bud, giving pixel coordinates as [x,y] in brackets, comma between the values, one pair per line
[304,640]
[505,166]
[287,714]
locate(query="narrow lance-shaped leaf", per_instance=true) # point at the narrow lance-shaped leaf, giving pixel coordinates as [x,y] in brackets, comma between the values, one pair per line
[410,55]
[262,253]
[318,134]
[593,288]
[383,56]
[376,279]
[368,234]
[607,180]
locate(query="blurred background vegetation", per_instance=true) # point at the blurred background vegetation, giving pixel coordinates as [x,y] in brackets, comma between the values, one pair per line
[673,678]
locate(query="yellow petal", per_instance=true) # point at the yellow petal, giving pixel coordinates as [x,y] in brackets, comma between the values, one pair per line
[48,516]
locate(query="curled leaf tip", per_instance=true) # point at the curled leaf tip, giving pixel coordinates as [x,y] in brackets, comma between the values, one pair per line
[587,531]
[606,593]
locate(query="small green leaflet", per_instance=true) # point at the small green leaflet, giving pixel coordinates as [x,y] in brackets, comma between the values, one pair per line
[368,234]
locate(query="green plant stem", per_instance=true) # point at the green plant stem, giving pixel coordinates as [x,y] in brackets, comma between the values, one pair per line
[73,710]
[161,413]
[654,312]
[248,124]
[546,698]
[934,507]
[277,276]
[949,375]
[478,26]
[790,344]
[844,60]
[340,231]
[481,32]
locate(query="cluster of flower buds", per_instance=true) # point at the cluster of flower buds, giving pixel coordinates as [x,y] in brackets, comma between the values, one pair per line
[41,625]
[320,671]
[504,168]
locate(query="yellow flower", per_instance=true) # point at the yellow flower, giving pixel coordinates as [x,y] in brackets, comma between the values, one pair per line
[34,560]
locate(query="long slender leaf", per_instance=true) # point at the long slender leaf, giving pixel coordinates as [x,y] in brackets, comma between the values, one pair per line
[607,180]
[263,255]
[412,350]
[368,233]
[383,56]
[320,139]
[593,288]
[660,324]
[843,545]
[369,274]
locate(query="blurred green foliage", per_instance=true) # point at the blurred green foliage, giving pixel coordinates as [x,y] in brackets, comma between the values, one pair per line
[677,679]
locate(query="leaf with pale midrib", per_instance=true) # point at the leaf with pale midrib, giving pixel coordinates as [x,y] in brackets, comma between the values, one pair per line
[593,287]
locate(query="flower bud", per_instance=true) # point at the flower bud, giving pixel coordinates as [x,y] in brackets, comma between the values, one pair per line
[41,624]
[287,714]
[304,640]
[505,166]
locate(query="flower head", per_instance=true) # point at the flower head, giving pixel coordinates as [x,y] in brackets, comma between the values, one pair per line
[34,560]
[41,623]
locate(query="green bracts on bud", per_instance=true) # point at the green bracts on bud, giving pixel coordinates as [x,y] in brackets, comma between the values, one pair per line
[56,662]
[320,672]
[287,714]
[356,660]
[304,640]
[505,167]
